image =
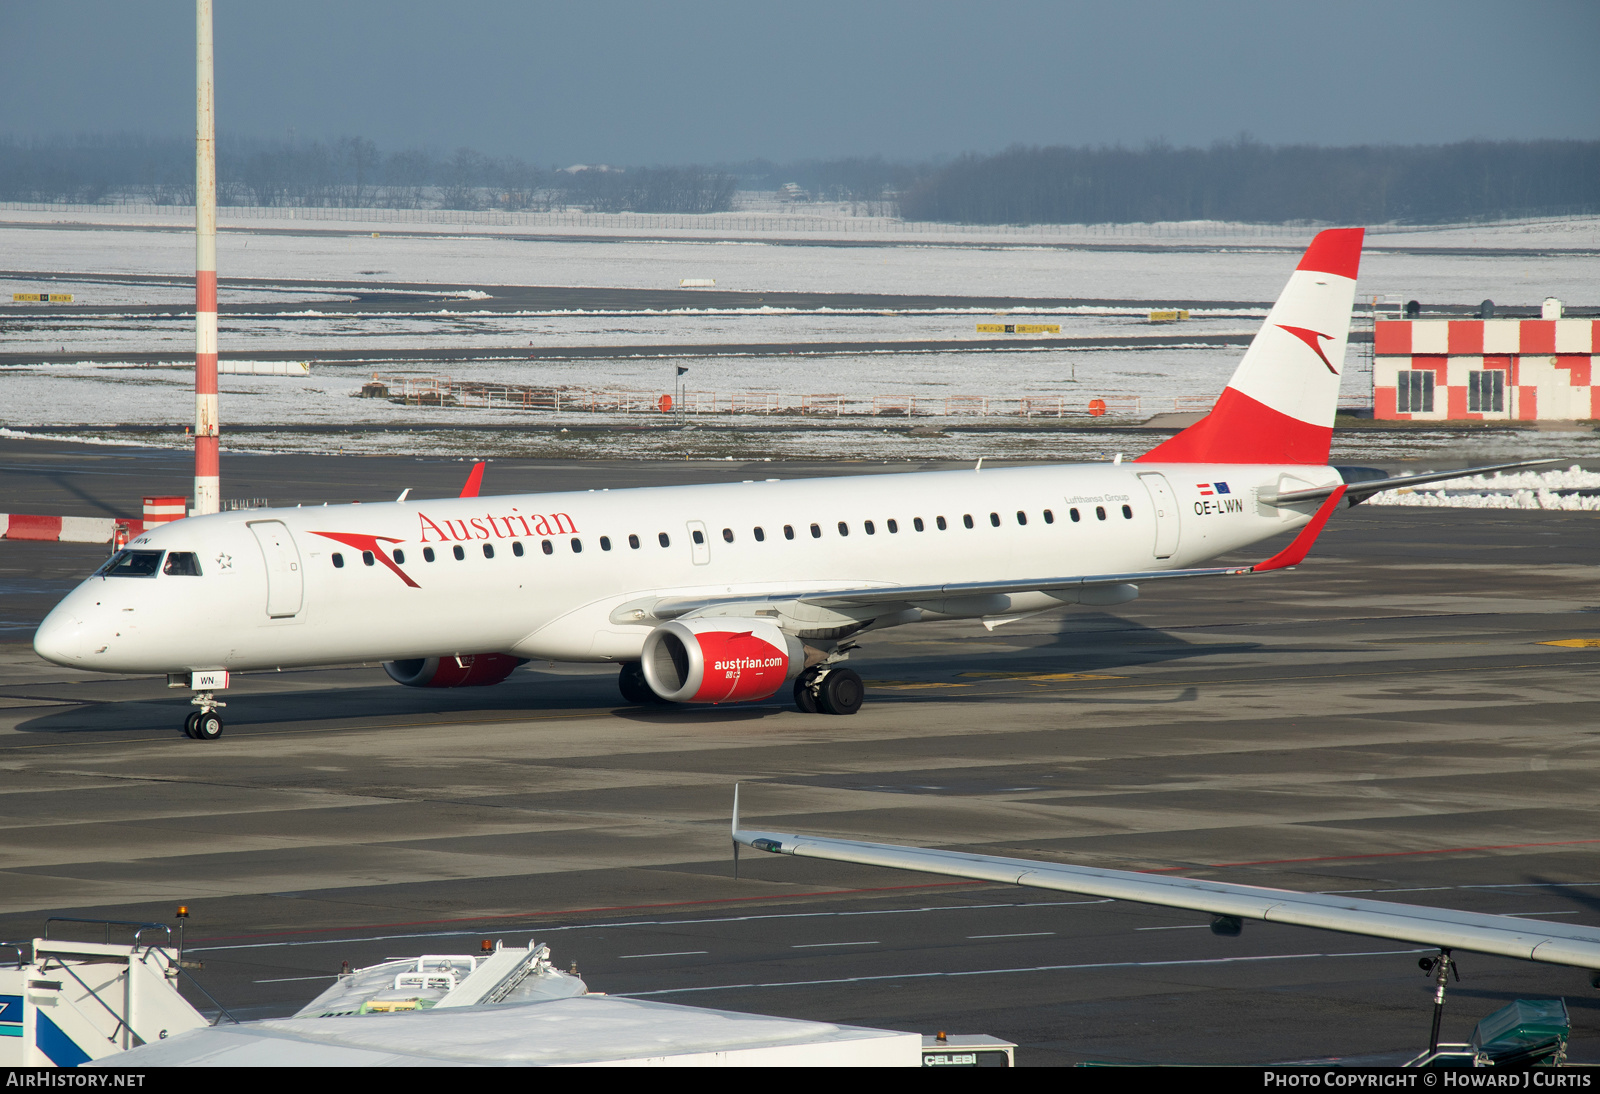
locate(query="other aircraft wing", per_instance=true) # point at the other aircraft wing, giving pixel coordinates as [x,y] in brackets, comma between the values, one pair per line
[677,607]
[1505,936]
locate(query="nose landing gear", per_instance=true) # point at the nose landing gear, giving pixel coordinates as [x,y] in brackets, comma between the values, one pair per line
[204,724]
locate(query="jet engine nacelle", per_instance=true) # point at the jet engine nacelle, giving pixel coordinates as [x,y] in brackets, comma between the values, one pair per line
[719,660]
[466,671]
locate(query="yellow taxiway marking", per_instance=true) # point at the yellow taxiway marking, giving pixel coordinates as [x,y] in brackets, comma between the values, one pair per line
[1043,676]
[1575,643]
[906,685]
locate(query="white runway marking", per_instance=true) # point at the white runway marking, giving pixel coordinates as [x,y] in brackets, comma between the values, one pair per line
[1181,927]
[1019,934]
[674,953]
[819,945]
[1031,968]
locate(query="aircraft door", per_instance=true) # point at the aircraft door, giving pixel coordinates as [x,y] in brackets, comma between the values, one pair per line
[1166,510]
[285,581]
[699,542]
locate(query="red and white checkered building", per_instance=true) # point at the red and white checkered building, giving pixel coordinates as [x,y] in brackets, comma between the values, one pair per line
[1524,369]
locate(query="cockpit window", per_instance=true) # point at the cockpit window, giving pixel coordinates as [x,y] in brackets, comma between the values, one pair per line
[182,564]
[132,564]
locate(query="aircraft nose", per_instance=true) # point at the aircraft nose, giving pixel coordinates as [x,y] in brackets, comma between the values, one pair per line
[62,638]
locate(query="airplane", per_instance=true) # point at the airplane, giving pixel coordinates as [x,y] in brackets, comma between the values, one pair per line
[731,592]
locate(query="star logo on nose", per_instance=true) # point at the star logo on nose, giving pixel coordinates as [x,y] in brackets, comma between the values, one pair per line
[224,561]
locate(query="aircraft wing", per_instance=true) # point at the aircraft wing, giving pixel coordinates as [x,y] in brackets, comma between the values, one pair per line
[1362,489]
[1506,936]
[678,607]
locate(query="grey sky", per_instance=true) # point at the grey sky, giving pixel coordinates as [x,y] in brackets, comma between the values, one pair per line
[633,82]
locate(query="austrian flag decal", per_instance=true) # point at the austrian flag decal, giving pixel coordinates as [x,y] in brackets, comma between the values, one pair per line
[1208,488]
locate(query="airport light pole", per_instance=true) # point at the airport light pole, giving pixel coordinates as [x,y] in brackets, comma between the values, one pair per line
[207,474]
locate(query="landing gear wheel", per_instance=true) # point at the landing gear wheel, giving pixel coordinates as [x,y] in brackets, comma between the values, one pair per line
[634,688]
[841,692]
[208,726]
[188,723]
[805,694]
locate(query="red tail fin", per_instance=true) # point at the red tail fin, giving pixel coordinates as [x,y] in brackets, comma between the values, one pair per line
[474,481]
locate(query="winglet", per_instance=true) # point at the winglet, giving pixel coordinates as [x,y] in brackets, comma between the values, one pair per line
[735,831]
[474,481]
[1296,552]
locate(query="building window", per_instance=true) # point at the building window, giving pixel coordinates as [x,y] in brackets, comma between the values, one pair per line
[1414,392]
[727,535]
[1486,391]
[605,543]
[633,541]
[664,539]
[916,522]
[544,545]
[488,550]
[400,557]
[761,537]
[338,561]
[516,547]
[458,552]
[427,554]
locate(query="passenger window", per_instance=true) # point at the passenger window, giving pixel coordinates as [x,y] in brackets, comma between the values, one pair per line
[1022,518]
[916,522]
[488,550]
[761,536]
[994,519]
[788,531]
[338,561]
[844,529]
[400,557]
[1073,513]
[182,564]
[132,564]
[866,526]
[633,541]
[544,545]
[966,519]
[605,543]
[940,522]
[816,532]
[664,539]
[893,527]
[366,558]
[727,535]
[1127,512]
[1049,517]
[516,547]
[1100,512]
[458,552]
[699,537]
[427,555]
[577,546]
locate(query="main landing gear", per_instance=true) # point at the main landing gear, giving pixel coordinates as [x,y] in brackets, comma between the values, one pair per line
[829,690]
[204,724]
[631,682]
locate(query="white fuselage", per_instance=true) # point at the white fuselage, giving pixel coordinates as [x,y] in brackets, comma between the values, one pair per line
[256,605]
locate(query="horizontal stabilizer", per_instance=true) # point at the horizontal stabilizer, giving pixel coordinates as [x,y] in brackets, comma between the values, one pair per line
[1360,491]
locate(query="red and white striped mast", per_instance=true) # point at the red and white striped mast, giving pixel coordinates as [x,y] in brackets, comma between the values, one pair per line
[207,479]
